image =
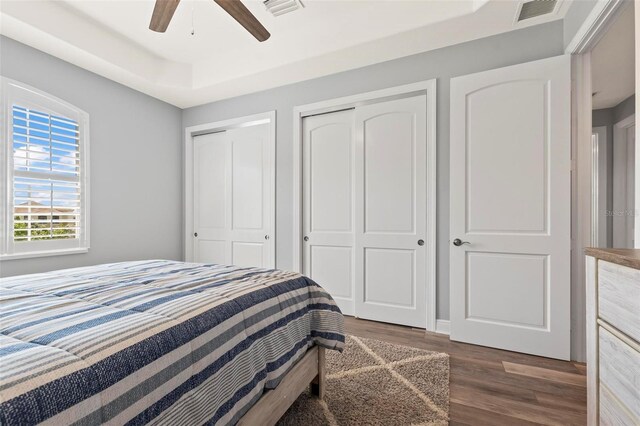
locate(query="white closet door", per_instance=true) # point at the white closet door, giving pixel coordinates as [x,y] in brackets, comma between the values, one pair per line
[328,225]
[250,206]
[210,196]
[234,196]
[511,208]
[391,159]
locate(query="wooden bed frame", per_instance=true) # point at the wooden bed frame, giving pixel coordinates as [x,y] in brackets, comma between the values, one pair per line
[275,402]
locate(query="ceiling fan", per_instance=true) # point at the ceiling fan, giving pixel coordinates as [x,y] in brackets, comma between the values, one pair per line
[164,9]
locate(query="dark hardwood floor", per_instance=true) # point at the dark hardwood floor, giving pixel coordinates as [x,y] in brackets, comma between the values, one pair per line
[496,387]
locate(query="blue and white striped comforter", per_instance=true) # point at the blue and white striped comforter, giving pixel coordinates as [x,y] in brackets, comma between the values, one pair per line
[153,341]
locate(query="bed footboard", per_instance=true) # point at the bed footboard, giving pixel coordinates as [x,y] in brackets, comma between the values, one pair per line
[275,402]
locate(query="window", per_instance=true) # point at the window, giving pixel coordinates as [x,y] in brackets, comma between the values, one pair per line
[44,153]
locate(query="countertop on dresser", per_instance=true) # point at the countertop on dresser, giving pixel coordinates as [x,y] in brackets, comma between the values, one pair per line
[626,257]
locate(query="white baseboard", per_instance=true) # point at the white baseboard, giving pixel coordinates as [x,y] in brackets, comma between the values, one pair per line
[442,326]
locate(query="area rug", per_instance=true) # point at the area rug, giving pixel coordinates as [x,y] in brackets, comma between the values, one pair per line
[378,383]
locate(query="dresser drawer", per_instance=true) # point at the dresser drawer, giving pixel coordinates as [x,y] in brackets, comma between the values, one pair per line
[612,412]
[619,380]
[619,297]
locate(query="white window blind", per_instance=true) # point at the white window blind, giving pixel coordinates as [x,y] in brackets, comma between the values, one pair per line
[46,176]
[46,161]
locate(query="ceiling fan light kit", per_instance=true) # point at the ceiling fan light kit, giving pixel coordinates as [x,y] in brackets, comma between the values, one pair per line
[164,9]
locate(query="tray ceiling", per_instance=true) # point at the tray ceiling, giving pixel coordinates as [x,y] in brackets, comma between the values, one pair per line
[221,60]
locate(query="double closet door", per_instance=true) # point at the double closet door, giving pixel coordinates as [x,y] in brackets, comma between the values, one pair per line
[233,190]
[364,208]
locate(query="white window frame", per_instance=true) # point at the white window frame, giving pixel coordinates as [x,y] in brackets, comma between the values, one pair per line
[17,93]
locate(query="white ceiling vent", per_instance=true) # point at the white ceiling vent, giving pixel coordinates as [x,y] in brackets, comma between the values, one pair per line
[280,7]
[533,8]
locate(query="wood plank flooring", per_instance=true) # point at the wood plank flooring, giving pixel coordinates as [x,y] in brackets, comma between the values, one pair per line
[495,387]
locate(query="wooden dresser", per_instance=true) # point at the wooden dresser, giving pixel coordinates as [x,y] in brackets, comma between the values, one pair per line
[613,336]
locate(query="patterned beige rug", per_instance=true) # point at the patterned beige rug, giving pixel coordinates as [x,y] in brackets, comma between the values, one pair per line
[378,383]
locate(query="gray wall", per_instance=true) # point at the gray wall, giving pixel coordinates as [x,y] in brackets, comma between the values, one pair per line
[608,117]
[624,109]
[498,51]
[604,118]
[136,169]
[577,13]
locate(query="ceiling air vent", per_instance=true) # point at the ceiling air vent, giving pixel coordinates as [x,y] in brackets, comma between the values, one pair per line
[531,9]
[280,7]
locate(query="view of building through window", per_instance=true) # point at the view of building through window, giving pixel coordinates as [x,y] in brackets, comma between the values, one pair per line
[46,177]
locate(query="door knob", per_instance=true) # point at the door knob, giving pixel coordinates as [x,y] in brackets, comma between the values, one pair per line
[266,237]
[420,242]
[458,242]
[306,238]
[195,234]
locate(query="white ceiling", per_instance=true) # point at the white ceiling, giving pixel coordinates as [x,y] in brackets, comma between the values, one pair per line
[613,63]
[111,38]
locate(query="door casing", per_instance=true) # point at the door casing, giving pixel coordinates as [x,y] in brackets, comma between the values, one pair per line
[623,160]
[599,233]
[602,16]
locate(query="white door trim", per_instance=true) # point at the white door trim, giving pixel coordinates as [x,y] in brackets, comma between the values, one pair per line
[594,27]
[621,136]
[581,198]
[427,87]
[599,202]
[219,126]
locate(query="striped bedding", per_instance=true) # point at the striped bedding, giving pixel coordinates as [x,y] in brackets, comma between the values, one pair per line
[158,341]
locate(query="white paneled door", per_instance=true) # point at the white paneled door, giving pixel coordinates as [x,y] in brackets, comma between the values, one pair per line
[510,208]
[364,208]
[391,182]
[233,197]
[328,204]
[210,198]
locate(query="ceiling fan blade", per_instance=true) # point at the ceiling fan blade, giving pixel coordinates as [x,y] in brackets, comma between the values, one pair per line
[240,13]
[162,14]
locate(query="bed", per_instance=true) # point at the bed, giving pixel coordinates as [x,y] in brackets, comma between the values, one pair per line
[161,342]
